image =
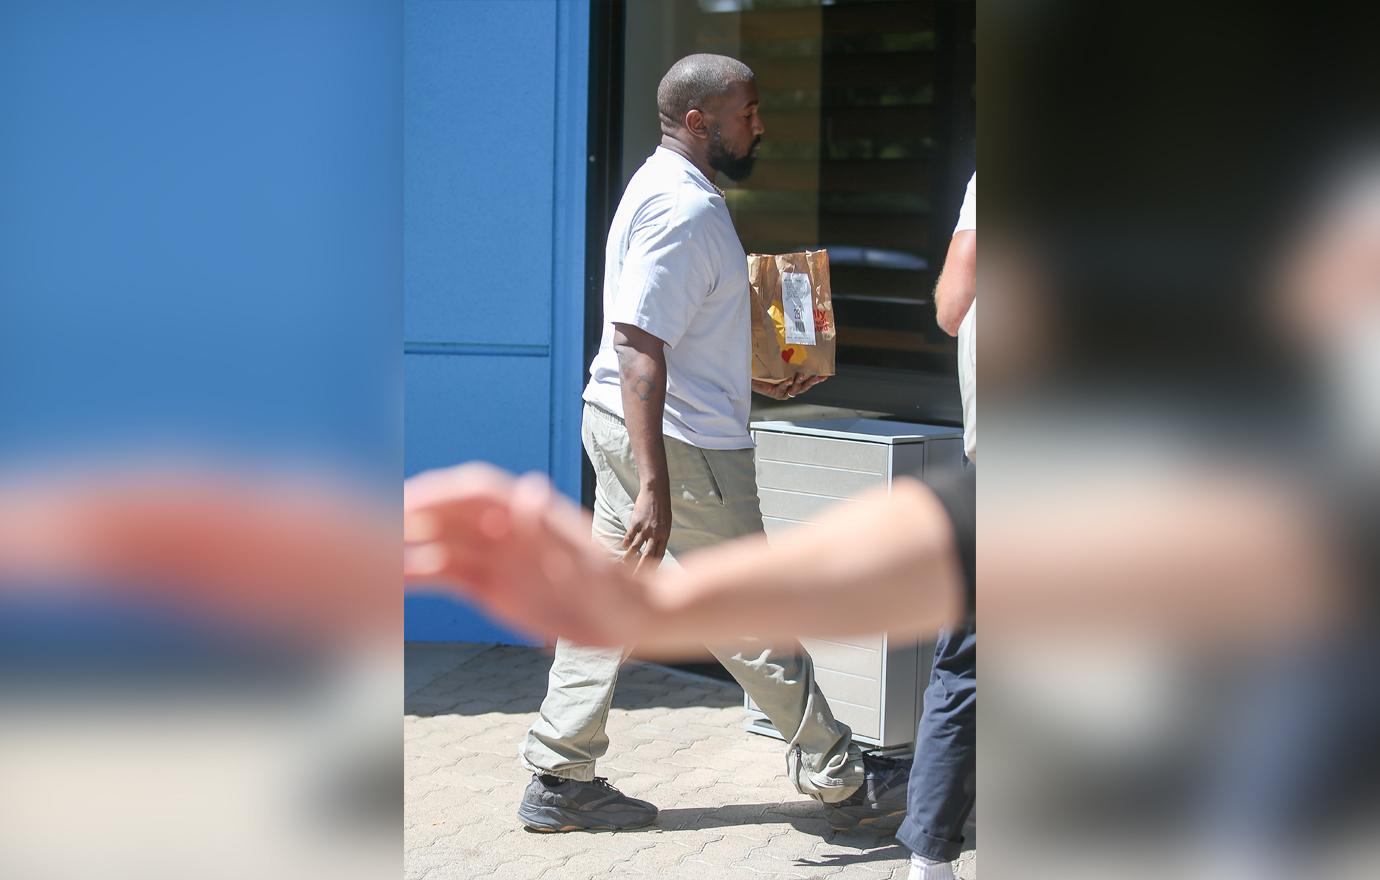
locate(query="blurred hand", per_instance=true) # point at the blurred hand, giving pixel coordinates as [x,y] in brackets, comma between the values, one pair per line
[788,388]
[523,552]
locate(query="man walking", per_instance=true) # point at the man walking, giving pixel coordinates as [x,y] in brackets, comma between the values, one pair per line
[666,429]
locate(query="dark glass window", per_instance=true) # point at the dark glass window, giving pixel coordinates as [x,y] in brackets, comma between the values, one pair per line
[869,107]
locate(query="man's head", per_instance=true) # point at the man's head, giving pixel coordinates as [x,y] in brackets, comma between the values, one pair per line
[709,103]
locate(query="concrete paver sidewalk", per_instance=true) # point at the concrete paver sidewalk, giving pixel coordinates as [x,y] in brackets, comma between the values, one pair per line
[677,740]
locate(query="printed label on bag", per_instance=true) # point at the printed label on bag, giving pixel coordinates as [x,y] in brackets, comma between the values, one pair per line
[798,305]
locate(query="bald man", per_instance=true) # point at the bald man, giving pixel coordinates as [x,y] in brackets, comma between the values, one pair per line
[666,429]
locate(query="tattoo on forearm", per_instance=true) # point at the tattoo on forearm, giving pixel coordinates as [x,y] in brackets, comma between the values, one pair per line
[644,387]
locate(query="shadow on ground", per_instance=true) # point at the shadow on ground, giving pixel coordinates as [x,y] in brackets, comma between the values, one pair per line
[468,679]
[806,817]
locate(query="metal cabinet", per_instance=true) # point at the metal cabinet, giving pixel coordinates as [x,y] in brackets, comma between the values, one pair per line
[873,683]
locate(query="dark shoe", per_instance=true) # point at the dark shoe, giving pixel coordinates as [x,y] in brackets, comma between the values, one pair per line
[880,802]
[554,804]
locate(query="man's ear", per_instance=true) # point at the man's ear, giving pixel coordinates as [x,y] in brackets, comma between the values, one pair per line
[696,124]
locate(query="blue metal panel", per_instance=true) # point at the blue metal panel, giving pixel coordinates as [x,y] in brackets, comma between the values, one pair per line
[568,296]
[201,212]
[491,408]
[496,127]
[462,407]
[479,104]
[438,618]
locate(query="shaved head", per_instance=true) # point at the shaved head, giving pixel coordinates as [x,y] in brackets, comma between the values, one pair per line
[694,81]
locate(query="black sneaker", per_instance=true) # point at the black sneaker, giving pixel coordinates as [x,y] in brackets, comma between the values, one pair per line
[554,804]
[880,802]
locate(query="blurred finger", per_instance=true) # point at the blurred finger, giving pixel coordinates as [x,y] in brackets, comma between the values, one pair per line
[564,522]
[457,511]
[457,566]
[421,527]
[472,481]
[425,561]
[530,497]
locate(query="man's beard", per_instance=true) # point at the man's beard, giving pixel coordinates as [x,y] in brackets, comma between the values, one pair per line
[734,167]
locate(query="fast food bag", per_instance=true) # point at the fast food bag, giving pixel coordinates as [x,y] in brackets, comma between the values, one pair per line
[793,326]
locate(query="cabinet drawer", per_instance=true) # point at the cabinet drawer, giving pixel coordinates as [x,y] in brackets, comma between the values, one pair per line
[856,690]
[842,657]
[774,526]
[823,451]
[814,479]
[799,506]
[862,721]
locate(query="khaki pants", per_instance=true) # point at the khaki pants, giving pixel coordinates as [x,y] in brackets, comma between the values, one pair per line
[713,499]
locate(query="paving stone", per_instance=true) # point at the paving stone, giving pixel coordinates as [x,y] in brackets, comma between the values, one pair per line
[727,809]
[965,867]
[724,854]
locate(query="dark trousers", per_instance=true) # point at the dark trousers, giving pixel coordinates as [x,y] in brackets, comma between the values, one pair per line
[943,778]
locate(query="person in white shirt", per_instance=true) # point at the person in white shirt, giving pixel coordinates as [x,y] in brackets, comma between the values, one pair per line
[955,306]
[943,777]
[666,429]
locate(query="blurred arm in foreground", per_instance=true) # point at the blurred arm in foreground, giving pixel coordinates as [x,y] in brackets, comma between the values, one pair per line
[1237,558]
[525,554]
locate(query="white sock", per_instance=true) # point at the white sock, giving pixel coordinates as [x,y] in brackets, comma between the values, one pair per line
[922,868]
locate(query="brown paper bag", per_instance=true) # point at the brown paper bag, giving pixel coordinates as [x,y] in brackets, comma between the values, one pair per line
[793,326]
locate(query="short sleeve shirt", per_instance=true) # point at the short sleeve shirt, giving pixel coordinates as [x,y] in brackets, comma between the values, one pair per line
[675,268]
[967,335]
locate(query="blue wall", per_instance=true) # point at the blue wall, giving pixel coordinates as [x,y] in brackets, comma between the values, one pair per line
[494,105]
[200,215]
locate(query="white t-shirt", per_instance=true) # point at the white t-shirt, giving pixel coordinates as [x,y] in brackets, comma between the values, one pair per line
[967,335]
[675,268]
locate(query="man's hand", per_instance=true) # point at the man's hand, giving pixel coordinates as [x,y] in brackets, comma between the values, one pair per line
[788,388]
[642,377]
[649,528]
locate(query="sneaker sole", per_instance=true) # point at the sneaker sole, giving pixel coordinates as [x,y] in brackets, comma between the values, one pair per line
[554,820]
[846,821]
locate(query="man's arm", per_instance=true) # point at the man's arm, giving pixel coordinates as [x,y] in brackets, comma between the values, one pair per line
[642,375]
[957,286]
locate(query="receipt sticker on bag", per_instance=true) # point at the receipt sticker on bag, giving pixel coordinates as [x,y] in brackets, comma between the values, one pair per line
[793,330]
[799,308]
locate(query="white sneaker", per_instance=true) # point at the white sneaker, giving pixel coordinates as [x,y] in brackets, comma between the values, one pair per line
[922,868]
